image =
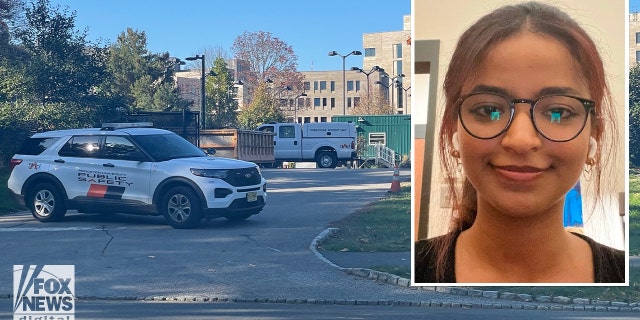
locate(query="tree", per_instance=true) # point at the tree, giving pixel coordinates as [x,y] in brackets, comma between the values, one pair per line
[268,57]
[263,109]
[211,53]
[222,108]
[8,11]
[634,115]
[61,67]
[12,82]
[372,103]
[51,76]
[142,79]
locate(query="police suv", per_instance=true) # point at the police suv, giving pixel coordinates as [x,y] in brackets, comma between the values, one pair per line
[132,168]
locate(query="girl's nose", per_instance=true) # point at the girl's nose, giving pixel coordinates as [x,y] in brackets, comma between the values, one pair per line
[521,136]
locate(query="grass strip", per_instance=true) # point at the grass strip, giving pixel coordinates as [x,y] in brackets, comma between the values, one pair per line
[7,203]
[381,226]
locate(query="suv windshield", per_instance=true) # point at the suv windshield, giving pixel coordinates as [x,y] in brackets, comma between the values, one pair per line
[163,147]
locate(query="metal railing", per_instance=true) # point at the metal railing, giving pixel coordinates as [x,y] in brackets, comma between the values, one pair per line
[381,155]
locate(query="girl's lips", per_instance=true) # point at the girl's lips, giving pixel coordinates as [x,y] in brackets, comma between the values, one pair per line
[519,173]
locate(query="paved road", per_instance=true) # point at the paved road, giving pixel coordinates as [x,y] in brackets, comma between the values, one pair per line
[266,256]
[107,310]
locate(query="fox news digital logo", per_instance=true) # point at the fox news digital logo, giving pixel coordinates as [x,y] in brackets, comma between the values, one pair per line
[43,292]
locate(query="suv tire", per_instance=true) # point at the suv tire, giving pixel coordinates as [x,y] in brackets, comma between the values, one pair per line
[181,208]
[46,203]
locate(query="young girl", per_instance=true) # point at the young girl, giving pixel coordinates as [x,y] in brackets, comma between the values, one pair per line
[526,103]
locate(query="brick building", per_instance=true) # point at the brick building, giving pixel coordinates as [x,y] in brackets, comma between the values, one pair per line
[634,38]
[323,90]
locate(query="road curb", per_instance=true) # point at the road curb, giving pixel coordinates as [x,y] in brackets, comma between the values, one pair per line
[546,302]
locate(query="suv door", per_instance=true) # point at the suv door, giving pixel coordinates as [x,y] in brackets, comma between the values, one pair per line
[75,164]
[130,166]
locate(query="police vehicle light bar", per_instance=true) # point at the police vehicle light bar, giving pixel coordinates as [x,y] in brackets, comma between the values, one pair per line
[122,125]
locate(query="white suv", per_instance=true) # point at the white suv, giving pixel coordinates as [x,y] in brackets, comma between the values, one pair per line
[132,168]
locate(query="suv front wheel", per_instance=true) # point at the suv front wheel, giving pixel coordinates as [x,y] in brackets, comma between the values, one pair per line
[181,208]
[46,203]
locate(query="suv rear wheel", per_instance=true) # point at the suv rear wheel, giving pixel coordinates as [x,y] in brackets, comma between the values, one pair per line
[46,203]
[181,208]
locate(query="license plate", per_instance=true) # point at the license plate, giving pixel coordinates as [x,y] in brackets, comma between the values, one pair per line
[252,196]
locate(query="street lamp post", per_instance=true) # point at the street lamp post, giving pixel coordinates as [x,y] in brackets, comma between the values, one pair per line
[374,69]
[279,94]
[202,90]
[405,101]
[384,85]
[393,82]
[344,76]
[296,106]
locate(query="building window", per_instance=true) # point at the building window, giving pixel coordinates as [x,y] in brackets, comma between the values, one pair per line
[333,103]
[357,85]
[356,101]
[333,86]
[307,86]
[397,51]
[315,86]
[637,37]
[369,52]
[316,102]
[324,103]
[349,85]
[637,56]
[349,102]
[398,64]
[307,119]
[315,119]
[323,85]
[378,138]
[323,119]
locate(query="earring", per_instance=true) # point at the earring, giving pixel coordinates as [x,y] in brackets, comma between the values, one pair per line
[593,146]
[456,145]
[589,165]
[455,151]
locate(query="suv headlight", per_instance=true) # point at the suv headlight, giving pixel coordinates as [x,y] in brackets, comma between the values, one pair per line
[210,173]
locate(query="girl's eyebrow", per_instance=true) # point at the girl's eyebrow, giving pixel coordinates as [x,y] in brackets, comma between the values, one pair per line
[542,92]
[489,89]
[558,90]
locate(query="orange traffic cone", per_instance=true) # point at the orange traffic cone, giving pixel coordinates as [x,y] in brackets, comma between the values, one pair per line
[395,182]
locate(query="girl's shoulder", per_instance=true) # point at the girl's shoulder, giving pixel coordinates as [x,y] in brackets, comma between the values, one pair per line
[608,262]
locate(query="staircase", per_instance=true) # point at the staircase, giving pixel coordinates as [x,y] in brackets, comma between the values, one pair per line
[380,155]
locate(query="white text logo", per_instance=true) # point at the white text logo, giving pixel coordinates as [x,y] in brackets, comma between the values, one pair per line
[43,292]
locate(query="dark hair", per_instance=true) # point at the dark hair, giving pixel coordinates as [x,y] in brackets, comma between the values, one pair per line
[471,50]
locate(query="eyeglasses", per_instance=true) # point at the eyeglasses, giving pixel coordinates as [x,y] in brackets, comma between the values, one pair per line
[558,118]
